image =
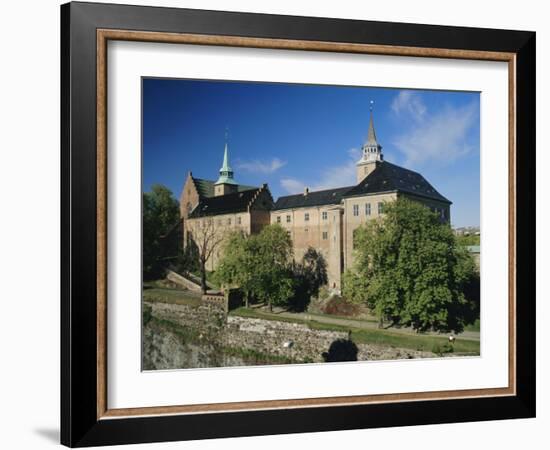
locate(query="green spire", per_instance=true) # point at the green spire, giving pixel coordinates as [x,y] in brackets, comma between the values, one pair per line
[226,173]
[225,166]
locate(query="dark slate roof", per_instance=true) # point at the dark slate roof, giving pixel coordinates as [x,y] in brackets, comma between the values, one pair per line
[206,187]
[314,198]
[388,177]
[224,204]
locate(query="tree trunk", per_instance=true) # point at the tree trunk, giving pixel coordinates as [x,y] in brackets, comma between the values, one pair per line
[270,306]
[203,277]
[381,322]
[246,299]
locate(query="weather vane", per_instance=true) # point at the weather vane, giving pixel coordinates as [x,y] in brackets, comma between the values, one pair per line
[371,105]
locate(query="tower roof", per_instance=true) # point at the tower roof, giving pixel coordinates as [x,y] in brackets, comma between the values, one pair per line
[226,172]
[225,166]
[371,136]
[389,177]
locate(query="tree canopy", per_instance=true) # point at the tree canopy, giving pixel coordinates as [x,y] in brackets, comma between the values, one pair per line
[259,264]
[409,269]
[160,215]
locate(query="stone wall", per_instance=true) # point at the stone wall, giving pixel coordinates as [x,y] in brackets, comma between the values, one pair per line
[291,340]
[208,316]
[284,341]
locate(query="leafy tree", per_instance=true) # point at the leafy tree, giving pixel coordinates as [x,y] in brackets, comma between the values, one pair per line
[160,214]
[309,275]
[409,270]
[236,268]
[272,278]
[259,265]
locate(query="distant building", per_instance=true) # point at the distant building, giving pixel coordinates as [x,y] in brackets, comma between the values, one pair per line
[325,220]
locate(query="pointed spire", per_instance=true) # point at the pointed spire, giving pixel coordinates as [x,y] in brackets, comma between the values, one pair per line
[371,149]
[225,165]
[226,172]
[371,136]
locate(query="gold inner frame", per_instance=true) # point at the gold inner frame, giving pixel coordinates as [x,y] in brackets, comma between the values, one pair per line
[104,35]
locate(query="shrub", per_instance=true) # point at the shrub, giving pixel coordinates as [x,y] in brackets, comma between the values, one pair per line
[440,350]
[339,306]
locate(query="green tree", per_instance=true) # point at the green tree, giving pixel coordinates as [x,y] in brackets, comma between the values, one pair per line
[410,270]
[160,214]
[272,277]
[236,268]
[309,275]
[259,265]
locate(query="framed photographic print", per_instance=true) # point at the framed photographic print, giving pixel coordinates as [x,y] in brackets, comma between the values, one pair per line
[277,224]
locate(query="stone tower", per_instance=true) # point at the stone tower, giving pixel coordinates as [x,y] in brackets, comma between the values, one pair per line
[371,154]
[225,184]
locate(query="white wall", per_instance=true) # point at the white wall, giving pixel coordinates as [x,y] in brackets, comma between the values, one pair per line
[29,181]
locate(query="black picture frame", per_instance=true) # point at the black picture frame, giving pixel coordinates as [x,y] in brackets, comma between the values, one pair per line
[80,425]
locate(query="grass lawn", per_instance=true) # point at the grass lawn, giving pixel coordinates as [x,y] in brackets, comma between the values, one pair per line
[372,336]
[152,292]
[353,319]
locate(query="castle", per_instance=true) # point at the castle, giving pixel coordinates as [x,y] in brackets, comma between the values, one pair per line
[324,220]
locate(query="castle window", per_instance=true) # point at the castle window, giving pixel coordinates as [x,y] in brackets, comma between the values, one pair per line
[278,219]
[380,207]
[288,219]
[306,229]
[229,221]
[325,235]
[306,217]
[325,215]
[367,209]
[355,210]
[239,220]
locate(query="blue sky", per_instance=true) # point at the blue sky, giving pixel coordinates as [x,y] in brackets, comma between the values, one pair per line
[291,136]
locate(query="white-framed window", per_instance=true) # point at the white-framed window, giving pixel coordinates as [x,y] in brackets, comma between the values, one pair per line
[324,215]
[306,217]
[229,221]
[325,235]
[380,207]
[278,219]
[367,209]
[355,210]
[288,218]
[239,220]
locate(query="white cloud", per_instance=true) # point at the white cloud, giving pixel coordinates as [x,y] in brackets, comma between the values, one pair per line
[257,166]
[292,186]
[337,176]
[440,137]
[409,102]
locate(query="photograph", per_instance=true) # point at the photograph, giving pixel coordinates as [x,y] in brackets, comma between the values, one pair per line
[300,223]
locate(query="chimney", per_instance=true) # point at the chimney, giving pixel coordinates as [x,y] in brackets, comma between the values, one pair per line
[306,191]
